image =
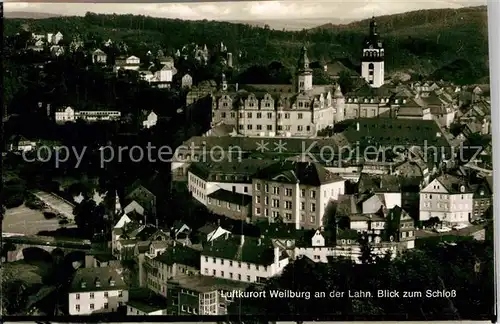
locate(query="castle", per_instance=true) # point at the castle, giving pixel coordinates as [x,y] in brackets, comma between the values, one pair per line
[303,109]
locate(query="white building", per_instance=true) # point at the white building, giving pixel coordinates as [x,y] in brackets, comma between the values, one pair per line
[372,63]
[127,63]
[295,192]
[65,115]
[206,178]
[449,198]
[97,290]
[151,120]
[242,259]
[71,115]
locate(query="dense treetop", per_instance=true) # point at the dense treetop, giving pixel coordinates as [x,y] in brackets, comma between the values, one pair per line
[420,42]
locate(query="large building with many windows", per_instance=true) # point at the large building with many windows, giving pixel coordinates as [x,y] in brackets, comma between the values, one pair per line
[97,290]
[295,192]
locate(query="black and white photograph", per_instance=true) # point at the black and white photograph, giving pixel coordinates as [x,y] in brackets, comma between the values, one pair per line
[247,161]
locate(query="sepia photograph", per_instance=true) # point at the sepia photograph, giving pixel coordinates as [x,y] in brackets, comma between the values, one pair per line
[248,161]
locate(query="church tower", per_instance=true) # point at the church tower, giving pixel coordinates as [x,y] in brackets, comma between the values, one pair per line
[339,104]
[304,72]
[223,82]
[372,62]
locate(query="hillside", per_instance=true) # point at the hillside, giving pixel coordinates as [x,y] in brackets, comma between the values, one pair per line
[419,42]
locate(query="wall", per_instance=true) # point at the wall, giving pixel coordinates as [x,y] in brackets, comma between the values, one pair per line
[113,300]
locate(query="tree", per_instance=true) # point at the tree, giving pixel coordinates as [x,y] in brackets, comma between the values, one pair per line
[89,217]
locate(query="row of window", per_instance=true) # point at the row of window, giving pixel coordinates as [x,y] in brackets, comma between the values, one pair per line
[444,197]
[78,307]
[259,115]
[287,216]
[248,265]
[445,205]
[228,204]
[231,276]
[275,203]
[300,128]
[288,191]
[92,295]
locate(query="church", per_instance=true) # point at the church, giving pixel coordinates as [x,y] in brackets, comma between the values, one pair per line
[303,109]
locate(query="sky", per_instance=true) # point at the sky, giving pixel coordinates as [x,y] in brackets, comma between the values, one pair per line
[242,10]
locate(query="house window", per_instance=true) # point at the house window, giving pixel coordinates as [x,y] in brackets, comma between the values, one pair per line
[206,259]
[257,186]
[91,306]
[213,272]
[77,296]
[302,193]
[222,273]
[91,295]
[288,192]
[248,278]
[257,211]
[231,275]
[120,293]
[313,194]
[106,306]
[245,189]
[206,271]
[77,307]
[230,263]
[239,276]
[106,294]
[276,190]
[313,207]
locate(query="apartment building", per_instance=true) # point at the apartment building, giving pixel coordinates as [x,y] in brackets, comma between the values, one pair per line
[205,178]
[242,258]
[295,192]
[201,295]
[175,261]
[449,198]
[97,290]
[230,204]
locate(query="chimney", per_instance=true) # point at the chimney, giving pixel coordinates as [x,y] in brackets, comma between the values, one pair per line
[242,240]
[236,85]
[357,126]
[175,243]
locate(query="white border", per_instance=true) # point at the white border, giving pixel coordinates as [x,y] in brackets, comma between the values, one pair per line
[494,60]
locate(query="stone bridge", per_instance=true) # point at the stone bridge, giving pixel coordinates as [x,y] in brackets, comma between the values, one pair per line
[17,247]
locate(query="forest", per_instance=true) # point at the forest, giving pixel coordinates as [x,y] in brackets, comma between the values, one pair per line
[446,44]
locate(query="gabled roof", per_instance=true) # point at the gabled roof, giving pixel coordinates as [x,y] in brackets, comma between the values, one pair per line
[97,279]
[255,251]
[378,183]
[180,254]
[404,132]
[453,184]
